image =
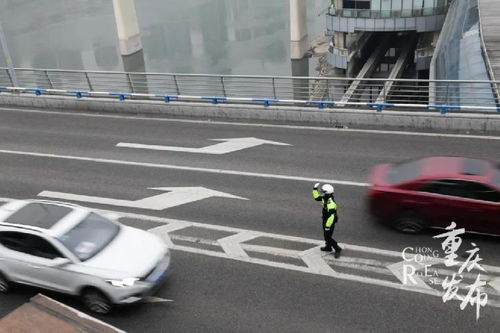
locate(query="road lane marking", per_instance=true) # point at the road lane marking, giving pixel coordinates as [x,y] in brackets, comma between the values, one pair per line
[314,260]
[175,196]
[293,127]
[372,265]
[247,247]
[185,168]
[364,267]
[225,147]
[232,244]
[398,269]
[171,227]
[340,276]
[350,263]
[257,261]
[154,299]
[495,284]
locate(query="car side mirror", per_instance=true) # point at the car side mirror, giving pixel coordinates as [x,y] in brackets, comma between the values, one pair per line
[58,262]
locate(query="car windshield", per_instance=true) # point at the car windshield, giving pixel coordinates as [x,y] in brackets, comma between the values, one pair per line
[90,236]
[404,171]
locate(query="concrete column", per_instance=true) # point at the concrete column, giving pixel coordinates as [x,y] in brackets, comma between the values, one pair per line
[298,29]
[127,26]
[300,67]
[338,38]
[134,63]
[7,58]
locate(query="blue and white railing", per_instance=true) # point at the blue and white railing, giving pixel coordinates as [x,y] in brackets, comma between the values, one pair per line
[314,92]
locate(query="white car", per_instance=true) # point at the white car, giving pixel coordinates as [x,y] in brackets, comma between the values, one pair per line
[76,251]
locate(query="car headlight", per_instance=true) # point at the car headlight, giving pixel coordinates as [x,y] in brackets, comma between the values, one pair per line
[128,282]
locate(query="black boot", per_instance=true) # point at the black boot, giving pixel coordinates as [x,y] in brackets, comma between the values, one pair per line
[337,252]
[326,248]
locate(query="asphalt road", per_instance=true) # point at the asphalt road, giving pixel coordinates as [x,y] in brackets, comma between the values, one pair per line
[75,153]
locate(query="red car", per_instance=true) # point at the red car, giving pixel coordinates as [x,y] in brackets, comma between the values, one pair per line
[434,191]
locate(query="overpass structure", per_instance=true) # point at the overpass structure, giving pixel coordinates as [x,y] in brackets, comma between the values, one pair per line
[489,12]
[385,40]
[436,39]
[357,27]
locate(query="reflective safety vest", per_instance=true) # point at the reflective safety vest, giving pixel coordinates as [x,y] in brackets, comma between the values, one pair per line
[329,207]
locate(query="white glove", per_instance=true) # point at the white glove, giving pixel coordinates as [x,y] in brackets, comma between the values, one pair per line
[316,186]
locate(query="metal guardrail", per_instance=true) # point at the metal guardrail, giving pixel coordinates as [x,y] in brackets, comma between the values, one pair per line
[381,14]
[305,91]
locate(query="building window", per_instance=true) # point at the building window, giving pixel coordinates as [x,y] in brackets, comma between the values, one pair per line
[407,8]
[391,8]
[386,8]
[356,4]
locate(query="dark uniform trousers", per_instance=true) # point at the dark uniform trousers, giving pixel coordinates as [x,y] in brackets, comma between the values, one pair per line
[328,234]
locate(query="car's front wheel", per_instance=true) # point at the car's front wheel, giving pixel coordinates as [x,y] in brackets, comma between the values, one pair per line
[409,221]
[96,301]
[4,284]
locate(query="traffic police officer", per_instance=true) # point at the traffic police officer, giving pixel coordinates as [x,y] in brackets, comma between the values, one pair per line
[330,215]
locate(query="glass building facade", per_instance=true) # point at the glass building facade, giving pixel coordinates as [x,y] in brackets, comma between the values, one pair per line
[348,20]
[387,8]
[459,56]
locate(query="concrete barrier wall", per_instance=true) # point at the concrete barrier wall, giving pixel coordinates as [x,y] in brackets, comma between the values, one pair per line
[430,120]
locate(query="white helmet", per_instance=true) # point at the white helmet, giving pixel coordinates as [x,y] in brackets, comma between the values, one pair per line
[327,188]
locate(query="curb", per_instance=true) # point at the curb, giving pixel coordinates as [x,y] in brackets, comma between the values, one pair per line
[416,120]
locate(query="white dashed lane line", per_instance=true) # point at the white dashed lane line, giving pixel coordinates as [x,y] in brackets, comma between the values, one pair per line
[184,168]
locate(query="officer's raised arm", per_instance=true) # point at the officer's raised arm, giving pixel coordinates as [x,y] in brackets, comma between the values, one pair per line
[316,194]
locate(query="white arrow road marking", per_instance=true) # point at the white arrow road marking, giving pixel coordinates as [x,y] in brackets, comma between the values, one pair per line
[232,244]
[225,147]
[400,269]
[316,263]
[495,284]
[164,231]
[175,197]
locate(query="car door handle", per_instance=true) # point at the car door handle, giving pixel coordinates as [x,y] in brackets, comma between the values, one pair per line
[35,266]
